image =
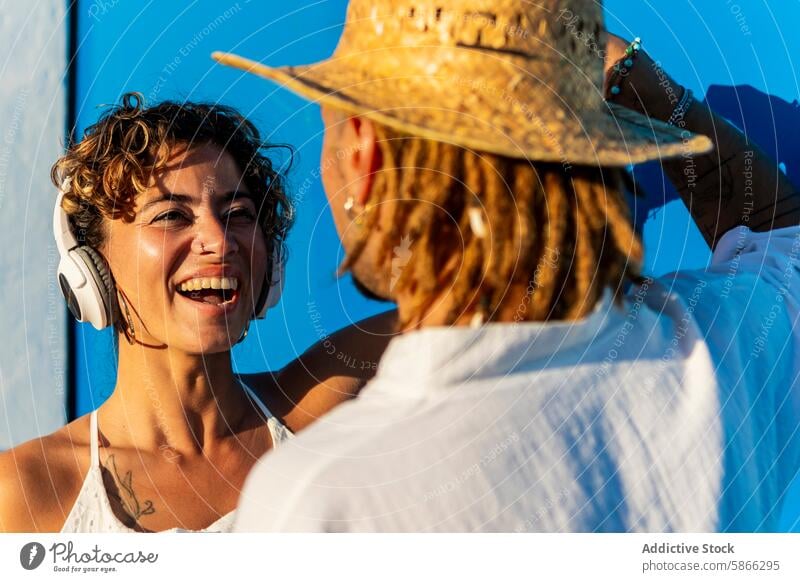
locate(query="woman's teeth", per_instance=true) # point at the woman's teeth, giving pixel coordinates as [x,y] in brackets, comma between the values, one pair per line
[209,283]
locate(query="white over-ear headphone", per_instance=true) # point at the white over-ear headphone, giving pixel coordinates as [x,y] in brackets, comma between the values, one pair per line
[88,286]
[273,288]
[83,275]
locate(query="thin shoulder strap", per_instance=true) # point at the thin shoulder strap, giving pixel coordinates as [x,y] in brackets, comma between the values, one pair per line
[93,439]
[256,399]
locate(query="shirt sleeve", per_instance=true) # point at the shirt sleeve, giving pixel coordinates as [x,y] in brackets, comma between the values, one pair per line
[746,305]
[770,259]
[773,255]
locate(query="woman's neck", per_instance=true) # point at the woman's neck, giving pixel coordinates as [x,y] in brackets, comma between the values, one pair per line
[173,400]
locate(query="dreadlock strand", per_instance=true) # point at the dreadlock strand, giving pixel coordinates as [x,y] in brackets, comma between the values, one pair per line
[555,207]
[570,237]
[504,238]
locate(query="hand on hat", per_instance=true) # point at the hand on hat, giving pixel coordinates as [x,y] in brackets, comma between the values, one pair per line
[646,87]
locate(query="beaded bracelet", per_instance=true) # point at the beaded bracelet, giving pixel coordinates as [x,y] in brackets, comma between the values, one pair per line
[681,108]
[631,51]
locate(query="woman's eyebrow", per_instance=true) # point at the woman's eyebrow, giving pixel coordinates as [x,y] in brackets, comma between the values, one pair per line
[167,197]
[230,196]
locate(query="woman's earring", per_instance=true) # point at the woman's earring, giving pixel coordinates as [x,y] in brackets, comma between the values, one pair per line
[130,333]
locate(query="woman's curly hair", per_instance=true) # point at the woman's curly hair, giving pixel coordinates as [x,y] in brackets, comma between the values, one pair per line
[121,154]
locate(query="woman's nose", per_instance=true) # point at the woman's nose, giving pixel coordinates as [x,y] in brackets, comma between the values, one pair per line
[214,237]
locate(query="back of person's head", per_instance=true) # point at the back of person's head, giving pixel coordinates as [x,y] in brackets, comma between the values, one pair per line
[561,232]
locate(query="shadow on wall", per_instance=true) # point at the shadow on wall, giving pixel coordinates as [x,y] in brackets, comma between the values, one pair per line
[769,121]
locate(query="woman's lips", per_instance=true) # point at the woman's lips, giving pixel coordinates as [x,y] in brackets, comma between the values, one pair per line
[213,309]
[214,283]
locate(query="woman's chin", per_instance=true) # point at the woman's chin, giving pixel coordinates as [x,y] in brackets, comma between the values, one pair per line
[212,342]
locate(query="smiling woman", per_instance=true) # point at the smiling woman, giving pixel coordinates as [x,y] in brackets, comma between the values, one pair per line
[178,178]
[181,216]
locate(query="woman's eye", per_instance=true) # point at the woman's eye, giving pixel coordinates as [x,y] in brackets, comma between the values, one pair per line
[241,212]
[171,216]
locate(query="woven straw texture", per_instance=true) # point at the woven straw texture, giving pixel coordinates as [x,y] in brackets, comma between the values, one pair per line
[512,77]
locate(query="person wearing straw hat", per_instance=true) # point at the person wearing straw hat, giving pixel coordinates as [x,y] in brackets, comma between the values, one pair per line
[474,160]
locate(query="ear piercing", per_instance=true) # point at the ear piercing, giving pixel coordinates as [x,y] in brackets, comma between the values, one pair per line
[352,208]
[355,210]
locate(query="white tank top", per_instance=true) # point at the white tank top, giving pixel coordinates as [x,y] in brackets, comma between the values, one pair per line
[92,512]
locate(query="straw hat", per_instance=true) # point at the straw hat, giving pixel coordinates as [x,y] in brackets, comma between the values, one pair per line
[519,78]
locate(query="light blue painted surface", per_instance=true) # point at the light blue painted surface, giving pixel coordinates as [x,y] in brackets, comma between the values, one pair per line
[33,321]
[161,49]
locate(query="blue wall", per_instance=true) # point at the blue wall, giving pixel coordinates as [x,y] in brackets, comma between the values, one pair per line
[740,53]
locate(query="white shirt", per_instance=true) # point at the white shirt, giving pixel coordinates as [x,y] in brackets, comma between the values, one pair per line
[677,411]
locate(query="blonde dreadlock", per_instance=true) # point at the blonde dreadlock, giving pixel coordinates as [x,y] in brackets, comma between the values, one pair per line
[562,231]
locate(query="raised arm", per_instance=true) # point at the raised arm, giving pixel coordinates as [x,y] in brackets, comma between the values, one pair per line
[736,184]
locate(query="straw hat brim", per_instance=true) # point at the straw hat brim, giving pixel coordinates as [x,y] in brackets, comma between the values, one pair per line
[613,136]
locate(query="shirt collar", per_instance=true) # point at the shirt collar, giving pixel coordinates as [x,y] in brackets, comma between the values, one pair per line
[447,356]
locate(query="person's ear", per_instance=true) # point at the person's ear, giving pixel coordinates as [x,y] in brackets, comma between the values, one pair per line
[362,158]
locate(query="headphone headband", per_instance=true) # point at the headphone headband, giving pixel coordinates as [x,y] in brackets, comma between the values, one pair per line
[65,239]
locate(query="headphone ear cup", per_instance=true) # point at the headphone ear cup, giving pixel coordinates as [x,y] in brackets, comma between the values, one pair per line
[272,290]
[276,289]
[103,282]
